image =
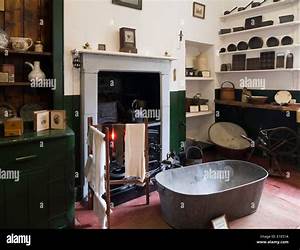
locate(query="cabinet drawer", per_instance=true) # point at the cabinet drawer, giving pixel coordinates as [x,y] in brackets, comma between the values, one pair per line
[33,155]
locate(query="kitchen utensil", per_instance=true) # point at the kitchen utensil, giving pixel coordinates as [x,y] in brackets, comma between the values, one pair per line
[290,61]
[246,7]
[267,60]
[253,63]
[231,47]
[227,93]
[287,18]
[6,111]
[237,29]
[229,66]
[224,67]
[4,39]
[228,137]
[257,99]
[256,42]
[224,31]
[242,45]
[190,72]
[202,62]
[283,97]
[222,50]
[257,4]
[27,111]
[227,12]
[239,62]
[287,40]
[197,100]
[253,22]
[267,23]
[245,94]
[39,47]
[273,42]
[280,60]
[36,73]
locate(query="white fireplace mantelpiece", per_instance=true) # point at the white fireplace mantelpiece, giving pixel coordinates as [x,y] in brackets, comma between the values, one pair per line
[122,54]
[94,61]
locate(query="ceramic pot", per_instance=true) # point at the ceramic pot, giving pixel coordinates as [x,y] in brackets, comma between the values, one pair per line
[36,73]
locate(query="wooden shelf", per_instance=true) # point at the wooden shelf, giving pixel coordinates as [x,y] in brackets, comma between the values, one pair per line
[255,10]
[198,79]
[15,52]
[259,106]
[291,24]
[258,71]
[7,84]
[190,115]
[295,46]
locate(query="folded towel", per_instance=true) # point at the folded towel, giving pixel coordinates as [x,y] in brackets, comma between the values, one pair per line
[95,171]
[135,161]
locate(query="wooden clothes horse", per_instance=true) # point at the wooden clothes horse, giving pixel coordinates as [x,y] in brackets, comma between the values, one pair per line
[108,181]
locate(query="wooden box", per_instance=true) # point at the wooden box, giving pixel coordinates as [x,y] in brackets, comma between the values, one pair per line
[4,77]
[13,127]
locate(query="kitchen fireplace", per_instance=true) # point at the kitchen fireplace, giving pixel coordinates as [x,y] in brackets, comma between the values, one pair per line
[129,97]
[123,83]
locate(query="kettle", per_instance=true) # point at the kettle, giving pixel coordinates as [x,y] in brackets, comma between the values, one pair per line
[36,73]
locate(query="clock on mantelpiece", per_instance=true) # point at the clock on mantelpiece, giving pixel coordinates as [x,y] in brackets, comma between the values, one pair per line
[128,40]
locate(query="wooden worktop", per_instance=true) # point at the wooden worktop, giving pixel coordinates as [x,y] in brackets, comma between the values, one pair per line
[291,108]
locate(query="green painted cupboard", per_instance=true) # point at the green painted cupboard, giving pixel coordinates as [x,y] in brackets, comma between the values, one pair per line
[44,195]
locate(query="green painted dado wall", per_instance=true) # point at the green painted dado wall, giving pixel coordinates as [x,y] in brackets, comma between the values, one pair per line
[177,120]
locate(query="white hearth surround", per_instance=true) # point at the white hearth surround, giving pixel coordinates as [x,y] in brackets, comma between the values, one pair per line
[94,61]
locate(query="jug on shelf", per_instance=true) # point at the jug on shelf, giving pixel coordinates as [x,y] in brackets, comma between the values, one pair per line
[36,73]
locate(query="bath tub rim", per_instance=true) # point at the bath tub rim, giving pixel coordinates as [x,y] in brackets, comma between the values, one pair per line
[217,192]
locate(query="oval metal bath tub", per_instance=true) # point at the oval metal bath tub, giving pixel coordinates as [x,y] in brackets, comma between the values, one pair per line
[191,197]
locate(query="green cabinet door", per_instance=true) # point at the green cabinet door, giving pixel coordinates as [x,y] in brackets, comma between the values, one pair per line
[16,203]
[2,206]
[38,200]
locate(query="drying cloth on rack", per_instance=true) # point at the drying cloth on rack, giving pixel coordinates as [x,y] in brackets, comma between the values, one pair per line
[95,171]
[135,161]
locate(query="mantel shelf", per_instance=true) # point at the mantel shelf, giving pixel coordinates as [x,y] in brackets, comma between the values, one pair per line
[276,26]
[122,54]
[255,10]
[199,79]
[292,108]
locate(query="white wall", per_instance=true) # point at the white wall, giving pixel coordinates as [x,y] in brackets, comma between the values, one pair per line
[157,30]
[273,80]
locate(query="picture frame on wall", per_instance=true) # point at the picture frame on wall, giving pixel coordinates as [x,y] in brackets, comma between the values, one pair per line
[134,4]
[199,10]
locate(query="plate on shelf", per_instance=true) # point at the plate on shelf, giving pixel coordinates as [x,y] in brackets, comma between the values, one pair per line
[283,97]
[27,111]
[6,111]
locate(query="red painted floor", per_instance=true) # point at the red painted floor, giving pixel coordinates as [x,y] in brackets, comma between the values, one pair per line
[279,209]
